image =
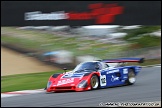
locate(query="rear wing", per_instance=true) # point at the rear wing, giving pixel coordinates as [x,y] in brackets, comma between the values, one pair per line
[120,60]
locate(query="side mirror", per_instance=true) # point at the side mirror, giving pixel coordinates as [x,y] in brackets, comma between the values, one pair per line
[65,69]
[97,68]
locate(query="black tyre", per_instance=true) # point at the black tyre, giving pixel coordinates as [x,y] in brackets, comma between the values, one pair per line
[131,77]
[94,82]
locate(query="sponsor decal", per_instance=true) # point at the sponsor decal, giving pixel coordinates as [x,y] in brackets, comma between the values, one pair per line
[38,15]
[125,77]
[65,81]
[137,69]
[68,75]
[113,71]
[113,78]
[72,75]
[125,71]
[101,13]
[122,80]
[72,84]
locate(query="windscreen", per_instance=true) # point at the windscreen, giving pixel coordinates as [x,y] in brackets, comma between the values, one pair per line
[86,66]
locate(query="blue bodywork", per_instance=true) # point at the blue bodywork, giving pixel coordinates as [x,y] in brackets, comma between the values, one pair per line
[116,76]
[109,76]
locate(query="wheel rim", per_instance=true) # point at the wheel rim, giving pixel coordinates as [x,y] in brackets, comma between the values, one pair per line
[132,78]
[94,82]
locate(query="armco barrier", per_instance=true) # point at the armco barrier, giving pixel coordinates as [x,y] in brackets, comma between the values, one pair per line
[17,48]
[33,53]
[147,53]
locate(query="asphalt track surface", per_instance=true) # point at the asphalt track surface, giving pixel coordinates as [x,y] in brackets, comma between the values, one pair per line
[146,89]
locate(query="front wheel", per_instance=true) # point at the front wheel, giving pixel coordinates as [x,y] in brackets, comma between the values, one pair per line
[131,77]
[94,82]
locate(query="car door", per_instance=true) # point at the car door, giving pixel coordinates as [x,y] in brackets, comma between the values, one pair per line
[113,75]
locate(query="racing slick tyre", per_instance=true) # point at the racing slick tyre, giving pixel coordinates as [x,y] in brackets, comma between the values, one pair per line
[94,82]
[131,77]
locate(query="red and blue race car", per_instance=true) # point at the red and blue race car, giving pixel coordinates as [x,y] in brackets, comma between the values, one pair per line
[95,74]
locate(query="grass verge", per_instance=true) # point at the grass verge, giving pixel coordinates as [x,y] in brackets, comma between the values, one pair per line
[25,81]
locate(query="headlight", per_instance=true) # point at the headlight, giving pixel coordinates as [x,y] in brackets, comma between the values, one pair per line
[82,84]
[49,84]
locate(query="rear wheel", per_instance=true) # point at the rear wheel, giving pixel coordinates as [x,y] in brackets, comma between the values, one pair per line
[94,82]
[131,77]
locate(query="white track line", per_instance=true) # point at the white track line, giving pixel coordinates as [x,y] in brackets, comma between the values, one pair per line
[156,65]
[17,93]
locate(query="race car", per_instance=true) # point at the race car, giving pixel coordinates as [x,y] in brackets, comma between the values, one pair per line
[96,74]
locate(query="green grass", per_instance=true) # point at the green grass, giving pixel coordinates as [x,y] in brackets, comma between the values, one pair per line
[50,42]
[20,42]
[39,80]
[141,37]
[139,31]
[25,81]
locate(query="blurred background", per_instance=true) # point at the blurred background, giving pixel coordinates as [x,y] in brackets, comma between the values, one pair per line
[45,46]
[65,46]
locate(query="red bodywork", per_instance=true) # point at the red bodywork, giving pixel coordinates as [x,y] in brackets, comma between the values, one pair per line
[70,84]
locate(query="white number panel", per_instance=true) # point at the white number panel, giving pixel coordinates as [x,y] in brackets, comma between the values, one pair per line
[103,80]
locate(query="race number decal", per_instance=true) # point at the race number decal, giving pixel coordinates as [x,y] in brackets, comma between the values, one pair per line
[125,71]
[103,80]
